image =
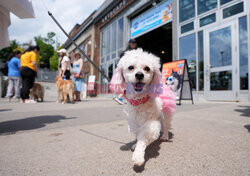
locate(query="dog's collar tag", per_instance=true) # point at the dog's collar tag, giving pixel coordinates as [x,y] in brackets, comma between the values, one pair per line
[137,102]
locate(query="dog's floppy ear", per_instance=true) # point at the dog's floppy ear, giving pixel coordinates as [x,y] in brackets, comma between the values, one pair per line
[157,77]
[117,81]
[156,84]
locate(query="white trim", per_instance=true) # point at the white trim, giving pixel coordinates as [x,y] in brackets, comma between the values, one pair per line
[229,94]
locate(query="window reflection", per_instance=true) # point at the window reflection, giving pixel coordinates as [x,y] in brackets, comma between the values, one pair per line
[186,9]
[201,61]
[243,48]
[188,51]
[221,80]
[206,5]
[208,20]
[220,47]
[224,1]
[233,10]
[120,33]
[187,27]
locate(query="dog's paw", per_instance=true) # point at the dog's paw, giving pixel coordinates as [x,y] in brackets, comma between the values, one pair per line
[164,138]
[133,147]
[138,160]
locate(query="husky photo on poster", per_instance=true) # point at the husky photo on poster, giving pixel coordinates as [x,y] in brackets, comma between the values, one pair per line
[172,75]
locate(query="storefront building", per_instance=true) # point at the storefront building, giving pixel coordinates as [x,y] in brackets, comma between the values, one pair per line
[149,22]
[213,35]
[84,36]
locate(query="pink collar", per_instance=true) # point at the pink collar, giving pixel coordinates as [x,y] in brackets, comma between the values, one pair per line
[137,102]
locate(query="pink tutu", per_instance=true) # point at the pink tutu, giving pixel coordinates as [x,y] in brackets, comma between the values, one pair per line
[168,100]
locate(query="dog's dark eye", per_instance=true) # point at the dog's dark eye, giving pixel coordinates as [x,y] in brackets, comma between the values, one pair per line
[147,69]
[131,67]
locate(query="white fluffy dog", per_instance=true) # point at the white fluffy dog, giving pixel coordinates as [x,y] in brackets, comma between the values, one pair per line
[150,103]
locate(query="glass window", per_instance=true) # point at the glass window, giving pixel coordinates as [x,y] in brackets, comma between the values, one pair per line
[233,10]
[221,80]
[220,47]
[243,48]
[224,1]
[187,27]
[186,9]
[108,58]
[206,5]
[208,20]
[102,60]
[110,71]
[103,44]
[200,61]
[108,41]
[113,43]
[188,51]
[120,33]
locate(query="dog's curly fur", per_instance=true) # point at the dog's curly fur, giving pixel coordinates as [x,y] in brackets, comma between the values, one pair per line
[146,120]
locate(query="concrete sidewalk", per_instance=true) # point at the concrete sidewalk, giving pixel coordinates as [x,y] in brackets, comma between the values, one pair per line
[209,139]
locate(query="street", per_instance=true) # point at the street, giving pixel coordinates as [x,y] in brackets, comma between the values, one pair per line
[91,138]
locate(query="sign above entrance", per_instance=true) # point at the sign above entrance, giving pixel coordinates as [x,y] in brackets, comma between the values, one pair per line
[155,17]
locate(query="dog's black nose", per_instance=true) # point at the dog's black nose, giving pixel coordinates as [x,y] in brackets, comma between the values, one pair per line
[139,75]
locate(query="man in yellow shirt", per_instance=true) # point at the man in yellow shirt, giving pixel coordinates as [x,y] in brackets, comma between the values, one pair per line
[28,72]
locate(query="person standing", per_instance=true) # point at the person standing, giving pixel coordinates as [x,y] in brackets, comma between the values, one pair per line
[29,68]
[14,75]
[132,45]
[78,76]
[64,64]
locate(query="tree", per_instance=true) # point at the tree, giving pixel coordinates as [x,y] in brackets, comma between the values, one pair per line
[53,60]
[50,38]
[46,51]
[5,52]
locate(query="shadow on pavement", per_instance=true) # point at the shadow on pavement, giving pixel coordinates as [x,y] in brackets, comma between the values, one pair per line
[13,126]
[247,127]
[152,151]
[2,110]
[102,137]
[244,112]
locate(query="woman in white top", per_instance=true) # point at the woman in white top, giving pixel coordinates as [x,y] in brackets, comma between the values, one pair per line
[64,64]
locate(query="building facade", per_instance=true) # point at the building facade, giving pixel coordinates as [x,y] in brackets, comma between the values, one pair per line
[149,22]
[213,35]
[84,36]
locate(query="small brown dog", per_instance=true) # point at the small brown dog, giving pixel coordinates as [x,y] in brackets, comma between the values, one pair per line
[64,87]
[36,92]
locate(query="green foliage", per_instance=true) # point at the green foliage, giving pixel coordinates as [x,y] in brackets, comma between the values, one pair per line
[53,60]
[5,52]
[46,49]
[50,38]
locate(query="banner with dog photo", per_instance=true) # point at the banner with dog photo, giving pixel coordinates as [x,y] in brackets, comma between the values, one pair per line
[175,75]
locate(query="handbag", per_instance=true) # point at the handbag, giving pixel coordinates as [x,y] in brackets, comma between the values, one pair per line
[80,75]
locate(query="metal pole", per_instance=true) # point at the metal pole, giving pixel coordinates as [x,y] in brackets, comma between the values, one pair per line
[50,14]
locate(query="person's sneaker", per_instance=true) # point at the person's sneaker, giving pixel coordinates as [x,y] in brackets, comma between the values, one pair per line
[8,99]
[30,101]
[119,100]
[17,99]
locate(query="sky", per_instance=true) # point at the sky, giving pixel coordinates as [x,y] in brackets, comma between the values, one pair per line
[67,12]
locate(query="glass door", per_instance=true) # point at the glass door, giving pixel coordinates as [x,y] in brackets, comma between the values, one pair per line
[221,63]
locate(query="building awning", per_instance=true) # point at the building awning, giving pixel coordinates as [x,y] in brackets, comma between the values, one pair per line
[21,8]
